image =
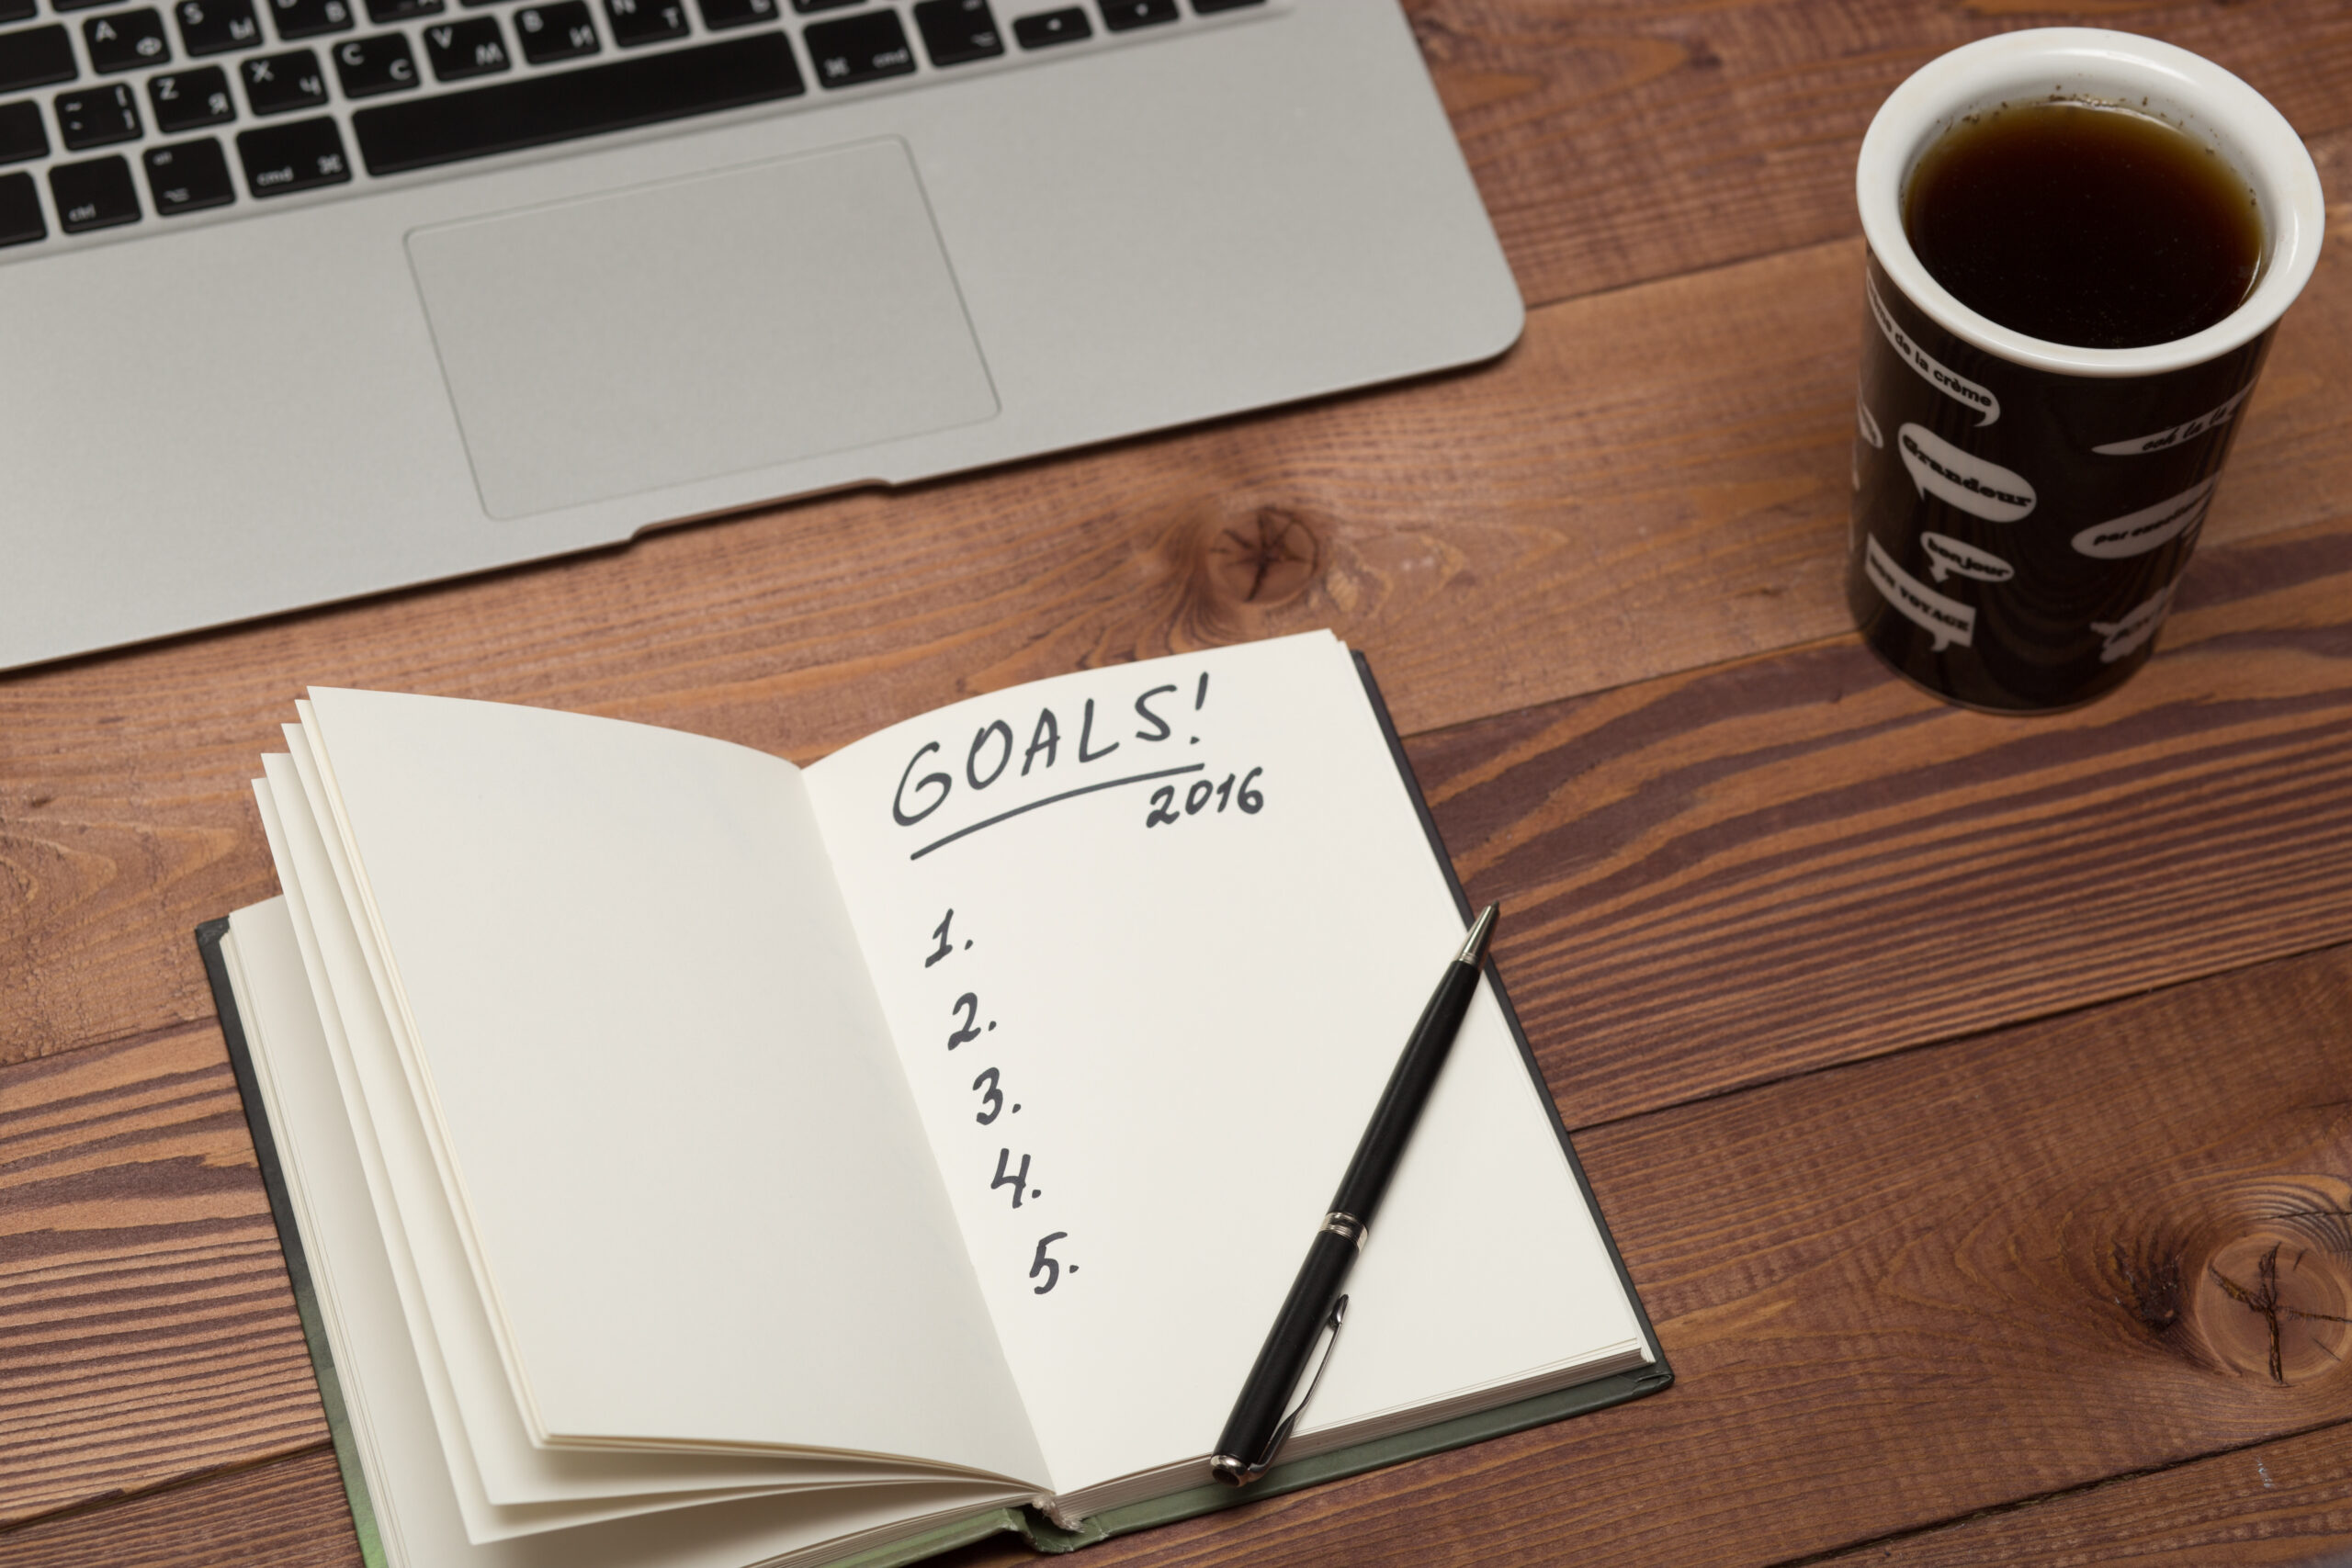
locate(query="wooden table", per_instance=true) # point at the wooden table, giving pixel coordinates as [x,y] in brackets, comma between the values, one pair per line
[1972,1096]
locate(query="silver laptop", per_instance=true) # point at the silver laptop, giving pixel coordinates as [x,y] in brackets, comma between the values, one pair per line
[301,300]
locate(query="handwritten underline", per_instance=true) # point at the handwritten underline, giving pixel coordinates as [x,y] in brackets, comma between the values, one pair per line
[1082,789]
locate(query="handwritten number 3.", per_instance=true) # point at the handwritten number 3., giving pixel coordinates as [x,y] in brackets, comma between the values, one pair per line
[969,1006]
[1051,1269]
[992,1095]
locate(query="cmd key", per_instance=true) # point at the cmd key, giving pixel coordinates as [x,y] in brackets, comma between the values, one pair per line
[301,156]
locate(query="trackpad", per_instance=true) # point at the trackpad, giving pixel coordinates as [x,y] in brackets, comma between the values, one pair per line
[703,326]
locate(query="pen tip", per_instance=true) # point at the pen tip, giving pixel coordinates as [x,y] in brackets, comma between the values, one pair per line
[1474,947]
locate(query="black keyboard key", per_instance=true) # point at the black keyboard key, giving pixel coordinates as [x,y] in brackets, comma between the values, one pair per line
[95,194]
[20,219]
[1120,15]
[385,12]
[309,18]
[645,21]
[188,178]
[188,100]
[956,31]
[62,6]
[806,6]
[35,58]
[125,41]
[1210,7]
[22,135]
[1051,28]
[530,111]
[215,27]
[858,49]
[560,32]
[471,47]
[277,83]
[366,66]
[18,10]
[720,15]
[97,117]
[301,156]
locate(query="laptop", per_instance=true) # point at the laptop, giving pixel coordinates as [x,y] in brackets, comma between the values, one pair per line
[304,300]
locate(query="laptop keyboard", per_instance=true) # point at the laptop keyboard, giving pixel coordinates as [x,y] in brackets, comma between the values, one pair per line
[114,115]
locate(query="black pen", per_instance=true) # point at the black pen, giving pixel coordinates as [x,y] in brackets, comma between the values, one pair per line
[1279,1383]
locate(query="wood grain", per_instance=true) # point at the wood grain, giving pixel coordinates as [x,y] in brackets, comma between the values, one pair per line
[1895,1294]
[1652,483]
[288,1514]
[2282,1503]
[1619,144]
[146,1329]
[1716,879]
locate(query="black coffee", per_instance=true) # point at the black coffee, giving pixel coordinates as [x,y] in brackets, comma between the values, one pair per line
[2084,224]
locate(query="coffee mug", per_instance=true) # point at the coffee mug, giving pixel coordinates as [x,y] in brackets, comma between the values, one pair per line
[2023,508]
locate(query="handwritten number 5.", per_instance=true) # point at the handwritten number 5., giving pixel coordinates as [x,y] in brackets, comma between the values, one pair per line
[969,1006]
[992,1095]
[1046,1266]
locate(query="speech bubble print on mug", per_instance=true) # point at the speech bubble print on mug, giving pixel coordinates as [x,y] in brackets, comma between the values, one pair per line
[2140,445]
[2124,636]
[1942,378]
[1943,471]
[1947,556]
[1946,620]
[2137,533]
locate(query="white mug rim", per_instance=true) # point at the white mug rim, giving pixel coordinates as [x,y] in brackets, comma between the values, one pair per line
[2011,66]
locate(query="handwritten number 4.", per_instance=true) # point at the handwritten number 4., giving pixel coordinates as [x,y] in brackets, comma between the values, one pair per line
[1017,1180]
[1046,1266]
[968,1005]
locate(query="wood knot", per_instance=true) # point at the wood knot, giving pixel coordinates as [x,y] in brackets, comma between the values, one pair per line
[2272,1295]
[1262,558]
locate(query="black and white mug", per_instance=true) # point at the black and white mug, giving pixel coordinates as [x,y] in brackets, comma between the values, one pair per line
[2023,509]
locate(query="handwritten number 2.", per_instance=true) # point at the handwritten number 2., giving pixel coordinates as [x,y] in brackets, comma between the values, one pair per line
[1046,1266]
[993,1096]
[940,952]
[1017,1180]
[1163,806]
[969,1006]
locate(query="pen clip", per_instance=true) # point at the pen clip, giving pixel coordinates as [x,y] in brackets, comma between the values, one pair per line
[1308,1376]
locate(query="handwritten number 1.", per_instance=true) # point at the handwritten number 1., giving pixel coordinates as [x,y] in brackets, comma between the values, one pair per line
[969,1006]
[1044,1265]
[993,1096]
[940,952]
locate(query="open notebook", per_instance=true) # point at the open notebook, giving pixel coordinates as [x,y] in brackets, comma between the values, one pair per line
[687,1157]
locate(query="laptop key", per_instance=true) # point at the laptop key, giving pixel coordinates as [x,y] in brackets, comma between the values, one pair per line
[18,10]
[1052,27]
[277,83]
[806,7]
[124,40]
[20,219]
[645,21]
[215,27]
[95,194]
[22,135]
[385,12]
[381,63]
[280,159]
[97,117]
[188,178]
[471,47]
[720,15]
[561,31]
[1120,15]
[35,58]
[1210,7]
[309,18]
[187,100]
[531,111]
[956,31]
[858,49]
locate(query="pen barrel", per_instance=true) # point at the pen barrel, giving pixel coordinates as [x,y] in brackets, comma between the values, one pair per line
[1275,1376]
[1391,1127]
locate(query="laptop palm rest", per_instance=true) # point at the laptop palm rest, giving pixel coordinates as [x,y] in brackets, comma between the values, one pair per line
[670,333]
